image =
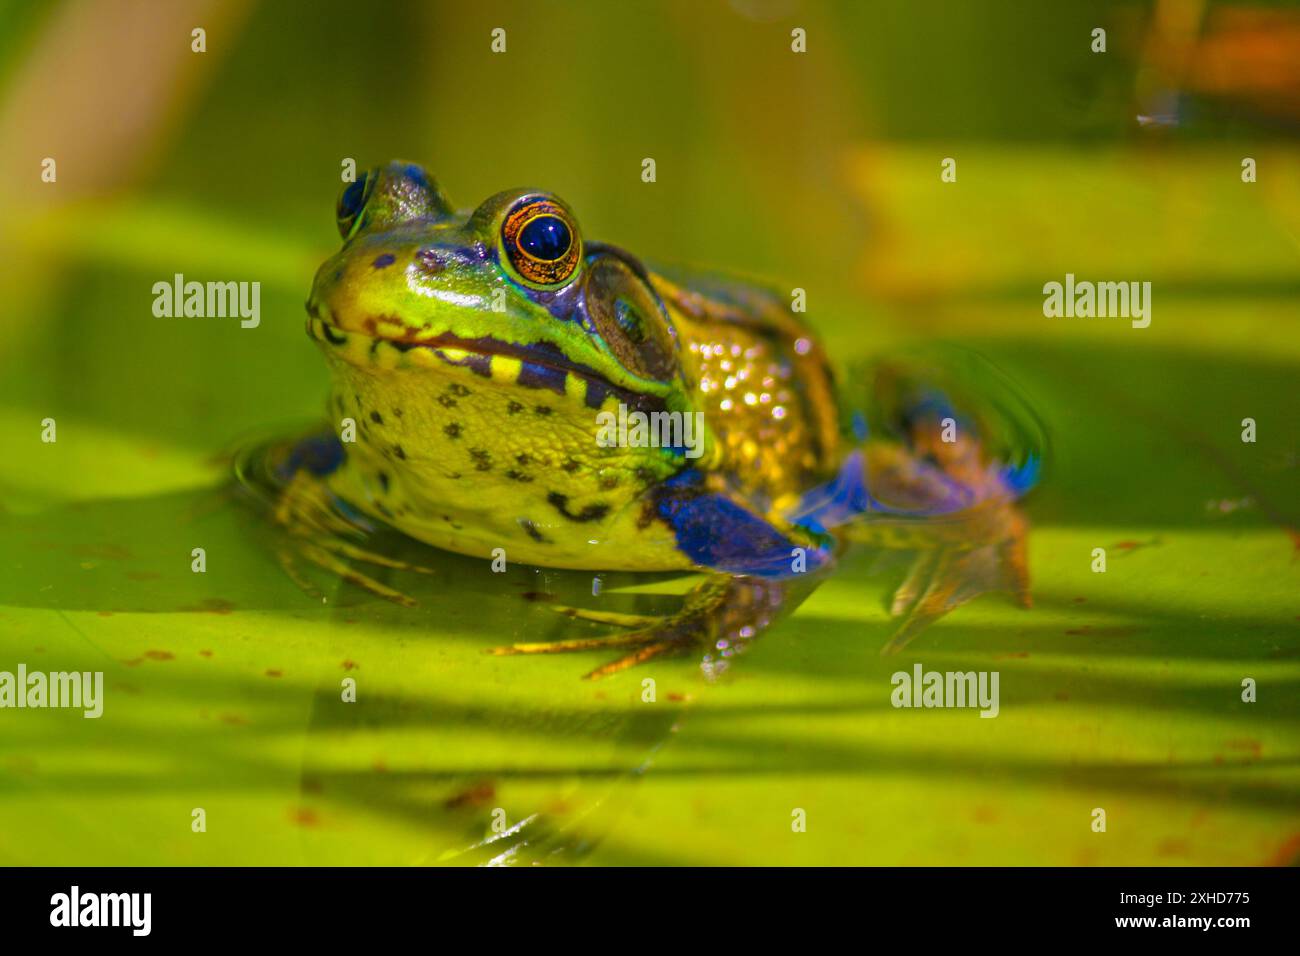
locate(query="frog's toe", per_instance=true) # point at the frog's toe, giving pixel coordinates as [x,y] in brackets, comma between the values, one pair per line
[662,638]
[289,564]
[657,648]
[614,618]
[323,558]
[574,644]
[346,550]
[940,582]
[918,577]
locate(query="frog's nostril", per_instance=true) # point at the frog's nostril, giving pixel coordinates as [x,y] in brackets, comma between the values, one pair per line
[430,262]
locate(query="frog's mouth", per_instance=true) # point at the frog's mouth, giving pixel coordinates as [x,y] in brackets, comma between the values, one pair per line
[386,343]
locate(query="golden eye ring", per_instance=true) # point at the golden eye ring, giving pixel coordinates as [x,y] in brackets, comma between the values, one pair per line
[541,240]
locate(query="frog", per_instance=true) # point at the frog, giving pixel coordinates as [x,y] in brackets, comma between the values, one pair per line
[474,354]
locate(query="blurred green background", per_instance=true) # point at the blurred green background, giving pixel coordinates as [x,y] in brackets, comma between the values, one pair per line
[818,170]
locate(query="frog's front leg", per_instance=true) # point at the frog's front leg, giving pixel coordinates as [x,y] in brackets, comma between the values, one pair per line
[307,510]
[756,567]
[291,479]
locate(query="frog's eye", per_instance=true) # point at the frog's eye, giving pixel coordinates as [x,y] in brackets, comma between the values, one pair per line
[352,201]
[542,242]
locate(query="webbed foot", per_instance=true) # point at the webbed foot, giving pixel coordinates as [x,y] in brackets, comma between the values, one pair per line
[721,615]
[319,535]
[947,578]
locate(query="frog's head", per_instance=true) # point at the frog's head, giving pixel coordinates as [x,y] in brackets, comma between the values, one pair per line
[509,293]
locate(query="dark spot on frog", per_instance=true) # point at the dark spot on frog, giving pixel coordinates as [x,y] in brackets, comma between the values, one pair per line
[446,401]
[518,476]
[649,512]
[592,512]
[159,655]
[522,459]
[376,418]
[274,673]
[451,429]
[457,389]
[400,452]
[609,481]
[383,509]
[387,259]
[531,529]
[397,413]
[644,474]
[542,410]
[383,481]
[482,459]
[514,408]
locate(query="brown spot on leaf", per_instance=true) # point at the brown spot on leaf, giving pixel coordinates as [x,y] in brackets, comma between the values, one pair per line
[1253,746]
[1172,847]
[475,795]
[1288,854]
[305,817]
